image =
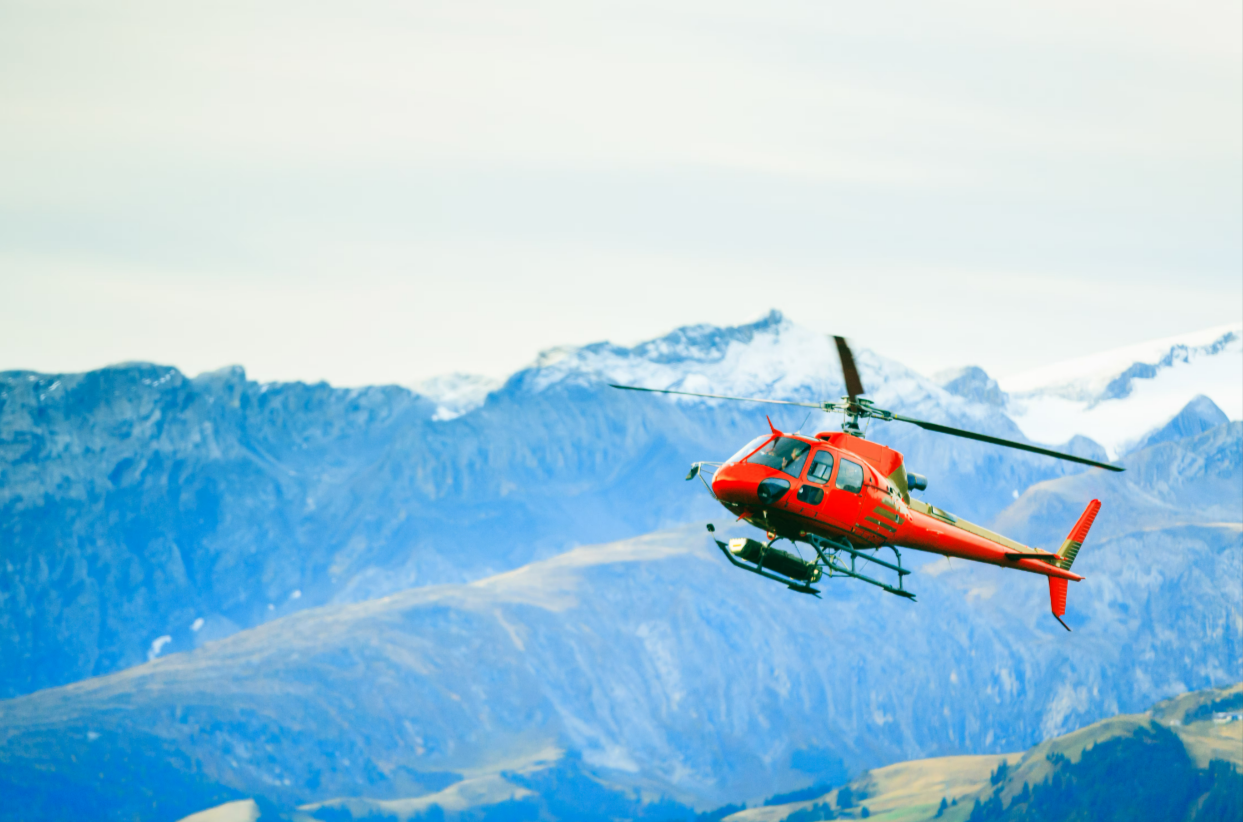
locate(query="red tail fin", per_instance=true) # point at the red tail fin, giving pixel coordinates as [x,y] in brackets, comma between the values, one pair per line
[1074,541]
[1067,553]
[1057,599]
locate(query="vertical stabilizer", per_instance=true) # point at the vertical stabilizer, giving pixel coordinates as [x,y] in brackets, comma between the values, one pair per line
[1070,548]
[1066,557]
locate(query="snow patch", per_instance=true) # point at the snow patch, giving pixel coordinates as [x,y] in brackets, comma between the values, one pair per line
[769,358]
[456,394]
[1085,378]
[1113,398]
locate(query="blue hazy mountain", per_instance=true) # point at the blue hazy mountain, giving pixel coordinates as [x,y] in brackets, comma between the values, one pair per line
[653,665]
[1194,479]
[1198,416]
[145,512]
[973,383]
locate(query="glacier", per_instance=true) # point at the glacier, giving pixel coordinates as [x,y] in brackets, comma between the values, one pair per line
[1116,397]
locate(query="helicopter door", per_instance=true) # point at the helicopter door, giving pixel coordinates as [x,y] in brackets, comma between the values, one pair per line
[811,492]
[841,503]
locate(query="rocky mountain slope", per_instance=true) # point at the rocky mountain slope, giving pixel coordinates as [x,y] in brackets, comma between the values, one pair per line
[143,512]
[652,665]
[1192,741]
[1193,479]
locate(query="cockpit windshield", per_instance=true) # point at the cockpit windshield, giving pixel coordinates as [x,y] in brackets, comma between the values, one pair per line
[784,454]
[748,448]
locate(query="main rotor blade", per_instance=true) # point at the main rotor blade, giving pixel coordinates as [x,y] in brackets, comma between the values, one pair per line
[715,396]
[1022,446]
[854,386]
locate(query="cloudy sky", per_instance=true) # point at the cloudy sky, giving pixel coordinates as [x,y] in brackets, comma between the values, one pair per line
[383,191]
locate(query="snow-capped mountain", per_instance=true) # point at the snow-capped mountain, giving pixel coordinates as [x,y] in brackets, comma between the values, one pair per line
[143,514]
[456,394]
[771,359]
[1116,397]
[1113,398]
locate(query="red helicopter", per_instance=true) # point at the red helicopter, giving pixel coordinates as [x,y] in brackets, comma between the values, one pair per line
[846,498]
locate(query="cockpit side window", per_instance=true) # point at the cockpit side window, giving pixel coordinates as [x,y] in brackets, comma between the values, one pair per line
[748,448]
[821,467]
[784,453]
[850,476]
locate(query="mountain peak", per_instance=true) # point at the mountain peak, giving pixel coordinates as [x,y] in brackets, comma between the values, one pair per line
[973,383]
[457,393]
[769,357]
[1197,416]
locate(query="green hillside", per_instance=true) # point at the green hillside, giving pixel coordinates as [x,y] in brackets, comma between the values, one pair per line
[1183,759]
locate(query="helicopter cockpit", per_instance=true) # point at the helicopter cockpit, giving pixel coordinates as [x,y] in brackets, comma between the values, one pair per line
[783,453]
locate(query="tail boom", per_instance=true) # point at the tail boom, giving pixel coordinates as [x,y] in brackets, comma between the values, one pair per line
[946,534]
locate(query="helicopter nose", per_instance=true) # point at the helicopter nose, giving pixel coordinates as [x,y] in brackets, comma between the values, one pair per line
[748,485]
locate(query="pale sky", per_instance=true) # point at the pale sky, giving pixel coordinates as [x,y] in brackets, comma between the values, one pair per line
[382,191]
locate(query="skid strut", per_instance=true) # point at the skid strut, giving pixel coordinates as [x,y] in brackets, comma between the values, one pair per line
[827,548]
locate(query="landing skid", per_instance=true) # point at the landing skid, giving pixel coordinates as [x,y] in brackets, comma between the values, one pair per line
[829,559]
[829,551]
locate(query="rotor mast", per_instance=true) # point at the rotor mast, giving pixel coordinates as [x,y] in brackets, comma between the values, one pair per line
[853,406]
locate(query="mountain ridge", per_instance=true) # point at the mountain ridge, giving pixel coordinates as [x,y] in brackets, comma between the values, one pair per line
[1117,397]
[147,512]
